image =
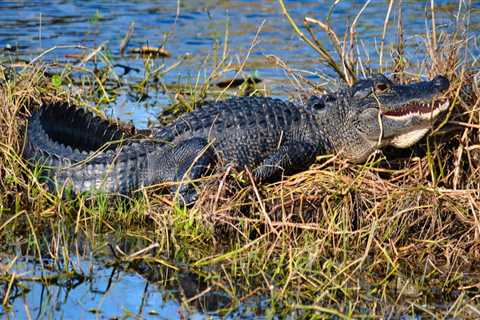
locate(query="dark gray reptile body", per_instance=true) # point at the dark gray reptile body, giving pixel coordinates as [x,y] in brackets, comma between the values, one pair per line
[244,132]
[250,131]
[268,136]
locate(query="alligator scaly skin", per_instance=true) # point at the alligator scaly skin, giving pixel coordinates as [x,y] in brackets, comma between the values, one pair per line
[243,132]
[269,136]
[252,132]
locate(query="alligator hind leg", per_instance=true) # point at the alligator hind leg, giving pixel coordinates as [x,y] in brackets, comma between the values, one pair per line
[289,158]
[191,160]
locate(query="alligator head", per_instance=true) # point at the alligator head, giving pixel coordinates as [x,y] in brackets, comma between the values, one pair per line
[377,112]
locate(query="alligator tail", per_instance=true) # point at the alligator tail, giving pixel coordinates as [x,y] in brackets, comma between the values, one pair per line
[83,152]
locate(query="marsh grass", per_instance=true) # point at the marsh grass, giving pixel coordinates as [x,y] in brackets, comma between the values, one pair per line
[398,235]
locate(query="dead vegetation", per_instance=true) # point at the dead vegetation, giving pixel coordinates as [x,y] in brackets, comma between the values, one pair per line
[398,235]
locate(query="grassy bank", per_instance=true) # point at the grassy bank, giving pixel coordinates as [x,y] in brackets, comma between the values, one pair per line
[397,235]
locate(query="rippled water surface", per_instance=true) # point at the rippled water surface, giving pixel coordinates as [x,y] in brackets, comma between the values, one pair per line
[191,31]
[194,30]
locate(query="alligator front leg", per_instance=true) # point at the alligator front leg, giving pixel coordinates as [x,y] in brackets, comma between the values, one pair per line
[289,158]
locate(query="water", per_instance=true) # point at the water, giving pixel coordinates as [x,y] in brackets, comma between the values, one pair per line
[91,286]
[106,292]
[191,31]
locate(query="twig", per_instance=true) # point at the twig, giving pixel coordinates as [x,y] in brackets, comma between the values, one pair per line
[385,25]
[44,53]
[335,41]
[244,62]
[126,39]
[434,31]
[320,49]
[261,203]
[91,55]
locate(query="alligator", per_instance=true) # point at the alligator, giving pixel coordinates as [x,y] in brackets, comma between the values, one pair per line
[268,136]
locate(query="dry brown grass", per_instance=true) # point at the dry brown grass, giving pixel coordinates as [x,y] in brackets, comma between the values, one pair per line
[397,235]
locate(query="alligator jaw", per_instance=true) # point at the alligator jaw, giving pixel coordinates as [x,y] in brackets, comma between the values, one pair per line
[408,139]
[421,114]
[419,110]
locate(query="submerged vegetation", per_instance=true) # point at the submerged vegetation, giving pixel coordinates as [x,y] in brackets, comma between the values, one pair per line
[398,235]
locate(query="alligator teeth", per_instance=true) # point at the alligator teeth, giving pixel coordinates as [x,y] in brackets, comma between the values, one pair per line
[424,111]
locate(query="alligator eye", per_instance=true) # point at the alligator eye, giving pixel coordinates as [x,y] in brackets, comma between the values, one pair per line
[381,87]
[319,105]
[316,102]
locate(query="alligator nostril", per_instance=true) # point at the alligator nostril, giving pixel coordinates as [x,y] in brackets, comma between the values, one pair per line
[441,83]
